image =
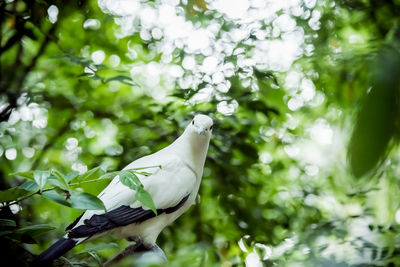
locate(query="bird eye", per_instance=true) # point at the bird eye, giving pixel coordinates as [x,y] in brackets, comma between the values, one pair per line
[211,127]
[193,122]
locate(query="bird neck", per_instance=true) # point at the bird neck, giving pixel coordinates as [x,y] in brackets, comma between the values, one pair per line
[192,149]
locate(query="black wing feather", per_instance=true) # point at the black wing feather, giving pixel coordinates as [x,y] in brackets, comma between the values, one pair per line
[118,217]
[56,250]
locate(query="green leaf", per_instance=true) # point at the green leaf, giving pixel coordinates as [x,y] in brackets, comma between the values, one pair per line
[13,194]
[29,233]
[41,178]
[29,186]
[95,256]
[71,175]
[35,230]
[57,182]
[144,168]
[28,174]
[109,175]
[377,119]
[57,197]
[63,183]
[91,174]
[145,198]
[7,223]
[86,201]
[123,79]
[130,179]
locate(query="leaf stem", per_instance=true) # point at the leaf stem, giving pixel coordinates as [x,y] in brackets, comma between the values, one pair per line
[90,181]
[27,196]
[78,183]
[143,168]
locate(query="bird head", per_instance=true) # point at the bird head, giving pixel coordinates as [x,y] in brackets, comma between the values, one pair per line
[202,125]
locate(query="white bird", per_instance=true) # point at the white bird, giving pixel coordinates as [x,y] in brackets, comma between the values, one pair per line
[173,188]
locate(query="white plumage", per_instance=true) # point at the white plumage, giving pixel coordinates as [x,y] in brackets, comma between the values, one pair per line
[180,175]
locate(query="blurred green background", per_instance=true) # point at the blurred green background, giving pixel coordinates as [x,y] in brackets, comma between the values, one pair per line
[303,167]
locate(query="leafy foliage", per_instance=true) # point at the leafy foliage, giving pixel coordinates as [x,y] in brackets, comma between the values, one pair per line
[57,187]
[130,179]
[377,119]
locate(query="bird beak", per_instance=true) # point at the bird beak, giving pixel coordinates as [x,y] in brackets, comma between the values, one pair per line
[200,130]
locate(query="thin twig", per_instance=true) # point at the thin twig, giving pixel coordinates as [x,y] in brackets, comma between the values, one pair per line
[144,168]
[27,196]
[90,181]
[116,173]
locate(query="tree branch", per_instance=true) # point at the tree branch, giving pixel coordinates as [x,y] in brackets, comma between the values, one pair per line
[10,42]
[5,114]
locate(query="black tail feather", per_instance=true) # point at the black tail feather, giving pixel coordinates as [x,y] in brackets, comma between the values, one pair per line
[56,250]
